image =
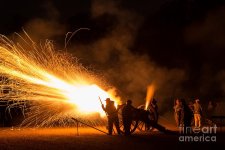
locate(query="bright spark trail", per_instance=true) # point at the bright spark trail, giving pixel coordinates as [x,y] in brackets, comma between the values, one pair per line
[54,84]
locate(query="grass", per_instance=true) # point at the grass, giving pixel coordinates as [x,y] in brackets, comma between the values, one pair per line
[90,139]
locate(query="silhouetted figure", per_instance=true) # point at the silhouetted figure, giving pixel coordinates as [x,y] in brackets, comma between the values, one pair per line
[186,117]
[197,113]
[191,107]
[178,112]
[154,109]
[112,115]
[127,116]
[186,114]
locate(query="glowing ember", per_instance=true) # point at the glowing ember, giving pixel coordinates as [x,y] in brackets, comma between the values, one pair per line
[42,74]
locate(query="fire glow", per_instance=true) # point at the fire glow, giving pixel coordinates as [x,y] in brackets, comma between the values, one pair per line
[43,74]
[149,95]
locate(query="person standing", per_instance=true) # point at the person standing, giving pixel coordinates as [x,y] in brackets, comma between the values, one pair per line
[127,116]
[197,113]
[191,107]
[154,109]
[112,115]
[178,112]
[186,114]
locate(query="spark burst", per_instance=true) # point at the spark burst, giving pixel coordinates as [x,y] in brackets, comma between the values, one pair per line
[50,85]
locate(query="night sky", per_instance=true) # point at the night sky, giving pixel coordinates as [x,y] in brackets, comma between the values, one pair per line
[183,35]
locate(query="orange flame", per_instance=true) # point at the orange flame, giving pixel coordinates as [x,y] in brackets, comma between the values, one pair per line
[149,95]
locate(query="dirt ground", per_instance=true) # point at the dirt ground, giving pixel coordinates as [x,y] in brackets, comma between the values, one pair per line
[90,139]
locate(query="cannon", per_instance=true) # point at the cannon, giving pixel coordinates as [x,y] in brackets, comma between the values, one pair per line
[142,120]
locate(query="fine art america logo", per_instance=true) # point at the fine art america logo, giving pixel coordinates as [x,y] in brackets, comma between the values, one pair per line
[196,134]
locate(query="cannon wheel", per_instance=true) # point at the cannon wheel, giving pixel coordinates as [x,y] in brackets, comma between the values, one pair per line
[153,117]
[143,127]
[134,125]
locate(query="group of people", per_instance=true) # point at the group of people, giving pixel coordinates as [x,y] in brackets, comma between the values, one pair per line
[112,114]
[186,113]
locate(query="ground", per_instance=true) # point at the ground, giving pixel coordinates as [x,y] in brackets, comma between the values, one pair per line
[87,138]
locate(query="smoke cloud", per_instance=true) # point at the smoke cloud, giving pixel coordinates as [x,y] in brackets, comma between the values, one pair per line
[208,35]
[40,28]
[112,55]
[129,72]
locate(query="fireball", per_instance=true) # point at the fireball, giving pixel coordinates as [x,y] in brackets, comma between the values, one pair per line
[51,79]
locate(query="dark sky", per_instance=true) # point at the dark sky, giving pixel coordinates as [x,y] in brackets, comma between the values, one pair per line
[163,28]
[165,20]
[186,34]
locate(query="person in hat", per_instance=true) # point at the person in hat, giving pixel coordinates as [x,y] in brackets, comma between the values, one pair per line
[197,113]
[127,116]
[112,115]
